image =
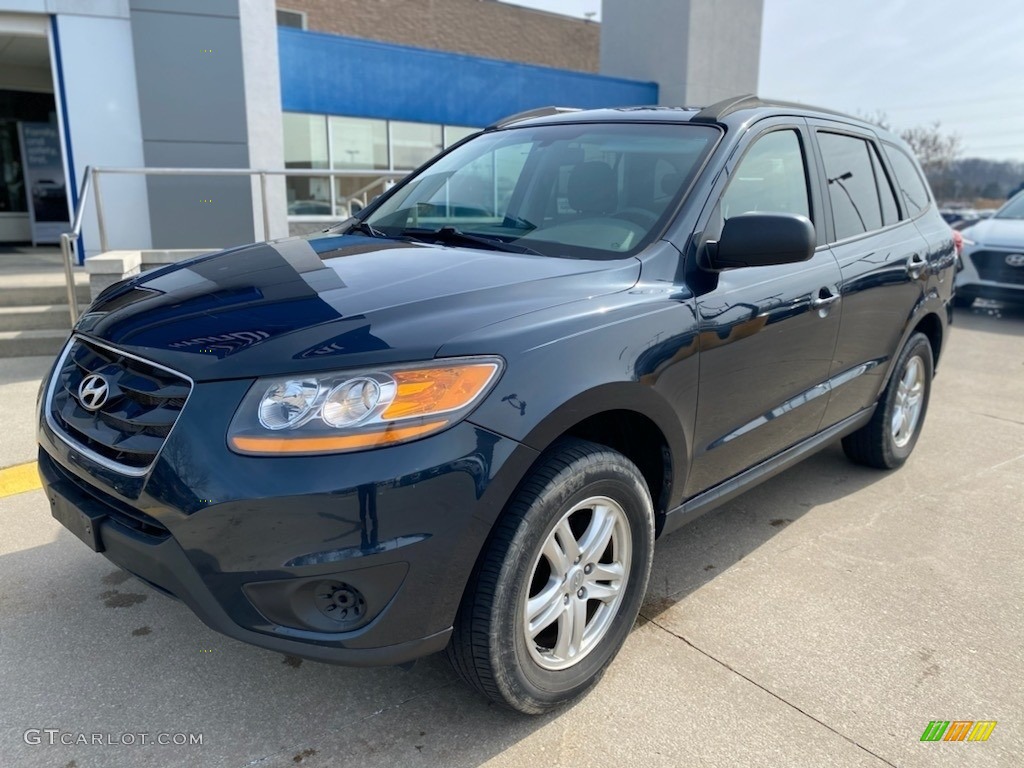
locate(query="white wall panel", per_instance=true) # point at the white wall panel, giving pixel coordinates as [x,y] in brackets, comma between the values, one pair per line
[103,121]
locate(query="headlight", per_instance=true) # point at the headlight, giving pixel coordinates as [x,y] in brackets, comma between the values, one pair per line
[288,404]
[354,410]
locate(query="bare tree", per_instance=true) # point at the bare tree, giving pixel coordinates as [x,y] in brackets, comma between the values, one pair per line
[936,150]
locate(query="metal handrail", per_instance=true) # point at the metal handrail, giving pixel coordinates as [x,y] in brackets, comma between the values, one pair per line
[91,179]
[67,238]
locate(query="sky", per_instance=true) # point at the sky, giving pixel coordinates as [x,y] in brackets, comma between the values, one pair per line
[957,63]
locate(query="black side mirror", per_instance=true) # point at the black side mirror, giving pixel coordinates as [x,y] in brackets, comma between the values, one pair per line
[762,239]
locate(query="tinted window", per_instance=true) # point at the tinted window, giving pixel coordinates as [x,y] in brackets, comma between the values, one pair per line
[913,189]
[850,168]
[890,211]
[771,178]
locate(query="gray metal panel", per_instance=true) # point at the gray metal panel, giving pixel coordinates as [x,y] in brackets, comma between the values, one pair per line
[698,51]
[190,7]
[23,6]
[190,75]
[724,53]
[180,215]
[648,40]
[117,9]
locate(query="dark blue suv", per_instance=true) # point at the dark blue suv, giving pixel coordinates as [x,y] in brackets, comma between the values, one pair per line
[460,420]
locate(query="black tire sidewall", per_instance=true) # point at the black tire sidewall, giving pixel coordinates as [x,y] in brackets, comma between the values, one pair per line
[518,674]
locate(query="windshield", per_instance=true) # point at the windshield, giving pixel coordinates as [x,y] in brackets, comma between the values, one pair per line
[601,190]
[1013,209]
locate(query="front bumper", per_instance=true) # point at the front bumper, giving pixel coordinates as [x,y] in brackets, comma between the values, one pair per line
[986,274]
[251,544]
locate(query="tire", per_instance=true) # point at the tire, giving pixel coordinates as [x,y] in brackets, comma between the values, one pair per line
[888,439]
[578,489]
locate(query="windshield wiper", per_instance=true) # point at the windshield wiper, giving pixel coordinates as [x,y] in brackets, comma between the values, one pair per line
[366,229]
[453,236]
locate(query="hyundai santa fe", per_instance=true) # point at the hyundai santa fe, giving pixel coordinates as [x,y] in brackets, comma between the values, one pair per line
[459,420]
[993,257]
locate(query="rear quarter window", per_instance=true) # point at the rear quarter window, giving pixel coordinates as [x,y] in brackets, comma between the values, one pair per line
[912,187]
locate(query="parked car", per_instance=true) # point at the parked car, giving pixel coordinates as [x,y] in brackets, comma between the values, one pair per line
[459,421]
[954,216]
[993,257]
[309,208]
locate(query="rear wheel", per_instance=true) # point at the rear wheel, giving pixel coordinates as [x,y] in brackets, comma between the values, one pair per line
[560,583]
[888,439]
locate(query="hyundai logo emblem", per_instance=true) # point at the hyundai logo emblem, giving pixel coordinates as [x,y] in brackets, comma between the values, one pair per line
[1015,260]
[93,392]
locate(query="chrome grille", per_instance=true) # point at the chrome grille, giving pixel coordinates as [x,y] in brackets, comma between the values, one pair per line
[143,403]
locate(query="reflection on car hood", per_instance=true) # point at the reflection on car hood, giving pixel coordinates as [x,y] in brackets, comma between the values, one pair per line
[1004,233]
[333,301]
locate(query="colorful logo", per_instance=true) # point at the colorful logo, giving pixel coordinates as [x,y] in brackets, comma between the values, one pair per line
[958,730]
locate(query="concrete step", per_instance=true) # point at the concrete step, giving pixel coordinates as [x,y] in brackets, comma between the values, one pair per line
[32,343]
[34,294]
[35,318]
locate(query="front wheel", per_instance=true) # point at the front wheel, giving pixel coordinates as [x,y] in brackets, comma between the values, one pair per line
[560,582]
[887,440]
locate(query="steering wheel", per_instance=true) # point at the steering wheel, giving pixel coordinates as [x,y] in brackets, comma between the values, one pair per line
[639,216]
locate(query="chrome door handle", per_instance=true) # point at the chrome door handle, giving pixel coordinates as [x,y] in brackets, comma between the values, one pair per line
[916,265]
[824,298]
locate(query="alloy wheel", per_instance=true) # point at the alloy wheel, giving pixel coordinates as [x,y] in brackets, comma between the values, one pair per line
[577,583]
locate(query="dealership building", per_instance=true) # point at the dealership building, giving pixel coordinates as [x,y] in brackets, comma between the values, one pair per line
[364,90]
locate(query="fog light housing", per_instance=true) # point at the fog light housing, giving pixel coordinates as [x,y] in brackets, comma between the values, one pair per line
[340,602]
[333,603]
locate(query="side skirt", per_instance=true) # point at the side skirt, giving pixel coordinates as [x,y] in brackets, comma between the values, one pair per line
[707,500]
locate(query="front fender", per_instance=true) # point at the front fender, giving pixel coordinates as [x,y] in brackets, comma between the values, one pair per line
[643,362]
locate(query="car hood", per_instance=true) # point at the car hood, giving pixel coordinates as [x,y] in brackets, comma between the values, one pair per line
[1002,233]
[332,301]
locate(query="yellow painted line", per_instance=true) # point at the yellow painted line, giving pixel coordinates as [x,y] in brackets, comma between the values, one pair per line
[18,479]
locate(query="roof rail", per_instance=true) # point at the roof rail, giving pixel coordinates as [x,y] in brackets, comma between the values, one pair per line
[538,112]
[717,111]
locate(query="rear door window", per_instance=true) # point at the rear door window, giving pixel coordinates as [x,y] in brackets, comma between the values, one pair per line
[860,193]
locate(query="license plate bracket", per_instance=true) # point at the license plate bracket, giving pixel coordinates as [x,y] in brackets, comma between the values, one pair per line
[83,521]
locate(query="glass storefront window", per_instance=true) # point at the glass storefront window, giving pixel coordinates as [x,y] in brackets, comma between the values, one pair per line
[359,143]
[305,146]
[353,193]
[412,144]
[453,134]
[342,143]
[480,191]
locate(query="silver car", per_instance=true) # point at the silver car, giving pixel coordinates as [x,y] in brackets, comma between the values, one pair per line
[993,257]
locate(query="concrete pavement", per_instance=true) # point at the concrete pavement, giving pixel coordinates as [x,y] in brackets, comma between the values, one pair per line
[822,619]
[19,384]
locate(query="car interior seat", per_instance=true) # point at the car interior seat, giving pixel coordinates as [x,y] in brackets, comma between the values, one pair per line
[593,189]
